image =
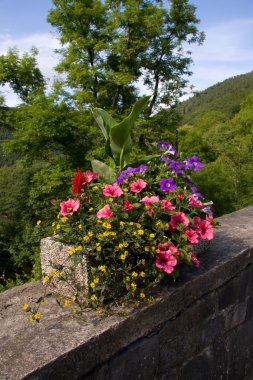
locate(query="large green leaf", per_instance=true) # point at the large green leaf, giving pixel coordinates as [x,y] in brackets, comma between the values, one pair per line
[104,121]
[104,170]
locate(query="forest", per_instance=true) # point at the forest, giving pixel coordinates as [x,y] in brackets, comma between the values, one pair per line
[107,48]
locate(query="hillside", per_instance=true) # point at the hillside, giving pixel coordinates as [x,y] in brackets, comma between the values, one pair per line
[225,97]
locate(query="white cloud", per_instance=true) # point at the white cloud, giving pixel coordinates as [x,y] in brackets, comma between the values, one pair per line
[226,52]
[46,43]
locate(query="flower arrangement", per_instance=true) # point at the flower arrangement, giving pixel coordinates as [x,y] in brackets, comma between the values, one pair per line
[134,232]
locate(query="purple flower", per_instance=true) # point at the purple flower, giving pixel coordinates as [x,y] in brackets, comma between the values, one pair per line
[125,174]
[196,194]
[177,166]
[208,210]
[167,148]
[168,184]
[194,163]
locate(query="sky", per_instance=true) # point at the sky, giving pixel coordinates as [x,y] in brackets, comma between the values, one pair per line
[226,52]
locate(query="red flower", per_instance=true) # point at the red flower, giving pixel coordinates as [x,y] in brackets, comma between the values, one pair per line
[81,179]
[128,205]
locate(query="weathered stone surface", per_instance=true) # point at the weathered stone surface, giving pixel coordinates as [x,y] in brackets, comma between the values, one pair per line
[55,252]
[58,348]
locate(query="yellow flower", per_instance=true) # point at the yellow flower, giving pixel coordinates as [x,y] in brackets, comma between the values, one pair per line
[26,307]
[74,311]
[64,219]
[110,199]
[102,268]
[146,249]
[153,248]
[92,285]
[58,226]
[136,245]
[80,226]
[113,233]
[134,274]
[72,251]
[96,280]
[36,316]
[90,234]
[121,223]
[53,224]
[95,187]
[133,286]
[42,301]
[62,274]
[127,278]
[142,295]
[79,248]
[131,223]
[73,298]
[142,274]
[93,297]
[66,303]
[98,248]
[86,238]
[99,221]
[140,232]
[125,189]
[125,244]
[152,236]
[121,246]
[138,225]
[30,317]
[46,278]
[53,273]
[91,209]
[99,310]
[143,261]
[38,222]
[123,257]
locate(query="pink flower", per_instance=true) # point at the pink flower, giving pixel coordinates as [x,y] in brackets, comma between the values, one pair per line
[105,212]
[179,218]
[204,228]
[149,200]
[194,259]
[192,236]
[167,205]
[128,205]
[137,186]
[194,202]
[69,206]
[168,248]
[89,176]
[112,191]
[166,262]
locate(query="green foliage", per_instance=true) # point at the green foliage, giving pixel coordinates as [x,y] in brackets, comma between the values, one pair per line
[225,97]
[21,73]
[108,45]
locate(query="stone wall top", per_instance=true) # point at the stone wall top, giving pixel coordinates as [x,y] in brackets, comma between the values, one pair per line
[58,347]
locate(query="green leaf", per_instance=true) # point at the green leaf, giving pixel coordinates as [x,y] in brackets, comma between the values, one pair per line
[104,170]
[104,121]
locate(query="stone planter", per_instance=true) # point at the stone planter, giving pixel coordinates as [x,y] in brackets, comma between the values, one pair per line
[55,252]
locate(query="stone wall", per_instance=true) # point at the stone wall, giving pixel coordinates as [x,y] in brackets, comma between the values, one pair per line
[201,327]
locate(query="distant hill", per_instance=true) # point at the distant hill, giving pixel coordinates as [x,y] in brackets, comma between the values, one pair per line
[225,97]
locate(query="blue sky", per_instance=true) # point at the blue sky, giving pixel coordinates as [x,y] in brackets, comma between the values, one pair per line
[227,50]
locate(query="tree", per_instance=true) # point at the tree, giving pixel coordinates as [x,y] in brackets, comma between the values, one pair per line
[21,73]
[108,46]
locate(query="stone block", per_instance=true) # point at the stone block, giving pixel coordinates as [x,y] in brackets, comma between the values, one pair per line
[199,367]
[55,252]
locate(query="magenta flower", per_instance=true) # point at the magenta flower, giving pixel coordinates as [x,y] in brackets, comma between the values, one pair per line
[128,206]
[148,201]
[192,236]
[194,259]
[204,228]
[112,191]
[167,205]
[179,218]
[138,186]
[194,202]
[166,262]
[168,184]
[105,212]
[69,207]
[168,248]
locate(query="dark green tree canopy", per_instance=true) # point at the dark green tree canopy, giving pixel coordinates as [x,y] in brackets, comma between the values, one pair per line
[108,46]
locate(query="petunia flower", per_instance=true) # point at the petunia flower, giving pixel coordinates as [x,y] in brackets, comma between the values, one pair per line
[194,163]
[193,202]
[179,218]
[204,228]
[138,186]
[194,259]
[167,205]
[128,206]
[168,184]
[166,262]
[69,207]
[192,236]
[105,212]
[148,201]
[112,191]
